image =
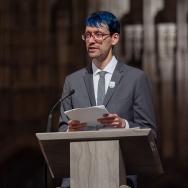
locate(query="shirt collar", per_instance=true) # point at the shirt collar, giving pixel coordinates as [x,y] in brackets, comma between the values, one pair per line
[109,67]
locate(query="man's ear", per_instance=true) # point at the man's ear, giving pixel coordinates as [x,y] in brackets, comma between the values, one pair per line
[115,39]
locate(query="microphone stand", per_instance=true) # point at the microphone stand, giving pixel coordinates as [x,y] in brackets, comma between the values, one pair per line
[49,127]
[49,123]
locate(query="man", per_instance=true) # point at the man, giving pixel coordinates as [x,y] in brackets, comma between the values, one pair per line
[123,90]
[126,91]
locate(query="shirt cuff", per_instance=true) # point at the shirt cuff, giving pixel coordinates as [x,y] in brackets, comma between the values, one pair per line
[126,124]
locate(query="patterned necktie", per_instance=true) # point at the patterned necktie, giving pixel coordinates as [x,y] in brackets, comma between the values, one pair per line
[101,88]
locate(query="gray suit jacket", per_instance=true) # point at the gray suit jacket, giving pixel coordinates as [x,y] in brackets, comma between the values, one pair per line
[130,98]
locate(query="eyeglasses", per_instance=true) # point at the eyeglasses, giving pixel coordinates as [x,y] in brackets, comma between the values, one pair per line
[99,36]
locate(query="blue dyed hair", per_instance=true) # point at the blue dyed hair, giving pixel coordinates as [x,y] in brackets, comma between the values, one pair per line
[96,19]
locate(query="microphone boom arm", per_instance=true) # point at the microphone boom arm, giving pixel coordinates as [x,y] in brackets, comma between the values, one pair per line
[49,123]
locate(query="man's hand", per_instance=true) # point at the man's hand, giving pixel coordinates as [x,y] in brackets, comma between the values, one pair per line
[112,120]
[75,125]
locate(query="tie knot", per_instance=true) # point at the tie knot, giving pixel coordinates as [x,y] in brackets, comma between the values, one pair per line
[102,73]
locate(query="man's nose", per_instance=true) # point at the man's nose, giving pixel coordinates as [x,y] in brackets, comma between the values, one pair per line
[91,39]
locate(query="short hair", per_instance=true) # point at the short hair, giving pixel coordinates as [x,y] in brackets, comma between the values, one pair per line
[96,19]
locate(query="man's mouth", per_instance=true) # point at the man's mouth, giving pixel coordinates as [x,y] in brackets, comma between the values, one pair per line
[92,49]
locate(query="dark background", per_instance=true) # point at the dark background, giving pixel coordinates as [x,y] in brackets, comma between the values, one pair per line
[40,43]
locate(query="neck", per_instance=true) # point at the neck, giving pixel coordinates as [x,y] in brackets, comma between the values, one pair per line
[101,63]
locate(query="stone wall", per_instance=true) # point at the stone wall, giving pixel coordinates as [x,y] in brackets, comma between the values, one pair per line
[40,43]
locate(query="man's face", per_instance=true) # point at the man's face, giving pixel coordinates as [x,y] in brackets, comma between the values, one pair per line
[99,42]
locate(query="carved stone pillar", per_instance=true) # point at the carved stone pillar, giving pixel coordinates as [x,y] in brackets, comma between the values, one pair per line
[182,80]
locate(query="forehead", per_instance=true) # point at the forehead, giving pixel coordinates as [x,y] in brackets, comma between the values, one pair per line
[102,28]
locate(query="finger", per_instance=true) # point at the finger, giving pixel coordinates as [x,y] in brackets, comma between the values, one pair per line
[116,124]
[76,129]
[119,124]
[73,122]
[103,121]
[112,118]
[109,120]
[110,115]
[77,125]
[113,125]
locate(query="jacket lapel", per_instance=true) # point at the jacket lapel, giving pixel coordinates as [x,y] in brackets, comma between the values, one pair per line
[88,78]
[116,78]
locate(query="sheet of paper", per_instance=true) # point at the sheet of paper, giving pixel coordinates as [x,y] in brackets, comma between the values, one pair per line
[88,115]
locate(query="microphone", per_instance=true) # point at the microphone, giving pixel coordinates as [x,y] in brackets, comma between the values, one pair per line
[49,123]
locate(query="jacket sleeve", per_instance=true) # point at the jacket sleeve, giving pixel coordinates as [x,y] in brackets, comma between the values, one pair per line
[65,105]
[143,109]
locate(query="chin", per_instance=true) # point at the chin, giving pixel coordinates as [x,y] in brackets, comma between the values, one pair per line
[91,55]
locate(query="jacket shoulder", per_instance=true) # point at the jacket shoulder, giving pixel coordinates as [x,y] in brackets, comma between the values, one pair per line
[131,70]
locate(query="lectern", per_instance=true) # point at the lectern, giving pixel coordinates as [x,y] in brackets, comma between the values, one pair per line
[100,159]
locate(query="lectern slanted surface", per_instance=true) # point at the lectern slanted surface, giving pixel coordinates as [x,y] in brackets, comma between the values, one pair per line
[138,147]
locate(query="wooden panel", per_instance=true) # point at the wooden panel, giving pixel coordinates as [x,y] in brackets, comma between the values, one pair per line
[94,164]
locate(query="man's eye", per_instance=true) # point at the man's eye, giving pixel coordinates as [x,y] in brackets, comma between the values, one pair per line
[87,35]
[98,34]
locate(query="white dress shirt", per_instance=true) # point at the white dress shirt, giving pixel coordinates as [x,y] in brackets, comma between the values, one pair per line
[110,67]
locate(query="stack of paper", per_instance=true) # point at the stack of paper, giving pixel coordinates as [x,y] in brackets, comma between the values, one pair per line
[87,115]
